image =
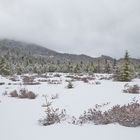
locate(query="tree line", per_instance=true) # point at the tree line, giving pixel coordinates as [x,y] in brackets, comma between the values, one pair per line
[10,64]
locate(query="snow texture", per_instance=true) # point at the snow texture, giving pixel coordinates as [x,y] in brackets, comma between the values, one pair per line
[19,117]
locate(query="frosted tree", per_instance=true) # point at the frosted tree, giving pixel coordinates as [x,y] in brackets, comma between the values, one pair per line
[4,67]
[124,73]
[107,68]
[99,67]
[116,73]
[76,69]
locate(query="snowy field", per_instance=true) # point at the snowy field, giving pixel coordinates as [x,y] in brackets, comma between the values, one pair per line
[19,117]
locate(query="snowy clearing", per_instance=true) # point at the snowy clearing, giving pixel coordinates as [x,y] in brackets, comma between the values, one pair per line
[19,117]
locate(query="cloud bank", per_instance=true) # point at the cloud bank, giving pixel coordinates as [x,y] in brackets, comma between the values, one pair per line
[91,27]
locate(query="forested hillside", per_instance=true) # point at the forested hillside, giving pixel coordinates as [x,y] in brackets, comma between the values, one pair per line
[20,57]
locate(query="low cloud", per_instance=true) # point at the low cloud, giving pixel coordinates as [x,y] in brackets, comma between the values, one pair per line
[77,26]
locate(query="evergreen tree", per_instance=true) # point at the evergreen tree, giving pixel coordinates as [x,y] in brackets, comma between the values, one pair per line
[69,67]
[124,73]
[76,68]
[114,63]
[116,73]
[19,70]
[107,68]
[81,64]
[98,67]
[4,67]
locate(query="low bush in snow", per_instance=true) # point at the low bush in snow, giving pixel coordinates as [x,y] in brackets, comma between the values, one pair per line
[52,81]
[13,93]
[98,83]
[57,75]
[135,89]
[23,93]
[70,85]
[94,82]
[42,80]
[29,81]
[126,115]
[85,79]
[53,115]
[14,79]
[31,95]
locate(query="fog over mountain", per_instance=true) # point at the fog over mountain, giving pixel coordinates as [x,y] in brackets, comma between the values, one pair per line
[88,27]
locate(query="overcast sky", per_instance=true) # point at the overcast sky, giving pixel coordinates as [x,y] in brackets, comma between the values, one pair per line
[91,27]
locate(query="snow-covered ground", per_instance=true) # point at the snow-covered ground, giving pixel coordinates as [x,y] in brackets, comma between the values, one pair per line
[19,117]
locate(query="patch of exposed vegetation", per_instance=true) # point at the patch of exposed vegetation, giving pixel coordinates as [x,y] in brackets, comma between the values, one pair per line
[23,93]
[126,115]
[134,89]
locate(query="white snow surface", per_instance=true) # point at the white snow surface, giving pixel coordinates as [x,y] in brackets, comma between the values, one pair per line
[19,117]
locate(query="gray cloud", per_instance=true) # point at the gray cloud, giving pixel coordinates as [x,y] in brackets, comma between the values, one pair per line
[92,27]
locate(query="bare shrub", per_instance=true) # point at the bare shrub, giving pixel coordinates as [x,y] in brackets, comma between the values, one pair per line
[57,75]
[135,89]
[80,78]
[85,80]
[52,115]
[97,83]
[94,82]
[24,93]
[14,79]
[54,81]
[31,95]
[47,102]
[13,93]
[29,81]
[126,115]
[42,80]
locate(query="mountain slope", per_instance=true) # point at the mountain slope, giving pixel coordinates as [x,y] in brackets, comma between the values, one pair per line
[37,50]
